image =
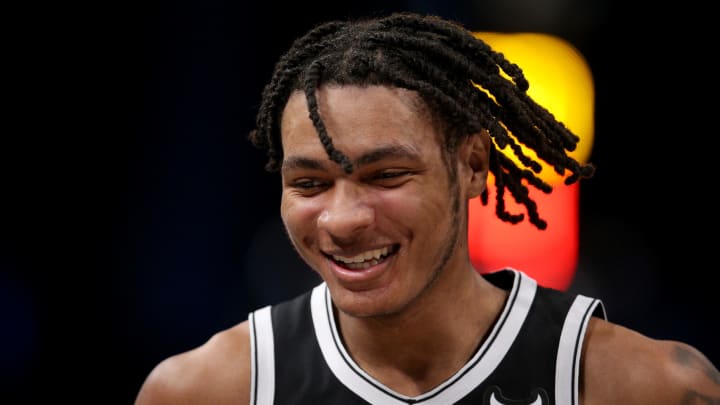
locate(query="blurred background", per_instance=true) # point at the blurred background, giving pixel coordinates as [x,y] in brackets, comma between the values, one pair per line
[138,220]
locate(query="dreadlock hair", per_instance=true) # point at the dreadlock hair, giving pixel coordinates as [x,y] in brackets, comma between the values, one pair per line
[456,74]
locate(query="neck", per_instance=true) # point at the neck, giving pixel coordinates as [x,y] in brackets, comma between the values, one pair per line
[420,347]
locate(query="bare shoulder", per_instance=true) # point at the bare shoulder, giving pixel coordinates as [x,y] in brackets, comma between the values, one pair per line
[217,372]
[623,366]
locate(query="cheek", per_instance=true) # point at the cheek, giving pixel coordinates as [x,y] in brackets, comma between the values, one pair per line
[427,215]
[298,216]
[411,211]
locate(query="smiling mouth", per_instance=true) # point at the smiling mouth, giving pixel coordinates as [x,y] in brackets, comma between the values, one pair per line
[366,259]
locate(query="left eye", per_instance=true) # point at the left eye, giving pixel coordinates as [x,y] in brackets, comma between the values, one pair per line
[389,175]
[393,178]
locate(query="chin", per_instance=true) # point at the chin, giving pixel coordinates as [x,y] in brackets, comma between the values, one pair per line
[365,304]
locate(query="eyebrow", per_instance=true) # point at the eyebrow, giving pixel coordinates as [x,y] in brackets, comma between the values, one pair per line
[385,152]
[369,157]
[300,162]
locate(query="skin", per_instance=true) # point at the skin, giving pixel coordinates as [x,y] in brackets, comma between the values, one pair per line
[407,195]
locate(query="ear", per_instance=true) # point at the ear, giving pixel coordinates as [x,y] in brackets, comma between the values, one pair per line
[474,156]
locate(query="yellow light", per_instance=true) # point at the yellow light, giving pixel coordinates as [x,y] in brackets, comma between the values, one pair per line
[560,80]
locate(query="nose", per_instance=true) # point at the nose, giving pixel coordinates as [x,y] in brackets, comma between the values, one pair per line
[347,213]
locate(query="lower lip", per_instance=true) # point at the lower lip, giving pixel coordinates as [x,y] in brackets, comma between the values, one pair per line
[350,276]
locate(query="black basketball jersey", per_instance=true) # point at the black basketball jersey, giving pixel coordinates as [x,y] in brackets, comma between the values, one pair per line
[530,356]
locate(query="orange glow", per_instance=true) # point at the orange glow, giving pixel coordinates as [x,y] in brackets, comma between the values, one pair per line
[549,256]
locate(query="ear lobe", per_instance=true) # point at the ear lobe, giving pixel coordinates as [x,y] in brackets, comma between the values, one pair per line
[477,159]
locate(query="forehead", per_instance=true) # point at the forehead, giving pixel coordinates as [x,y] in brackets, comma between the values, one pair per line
[357,118]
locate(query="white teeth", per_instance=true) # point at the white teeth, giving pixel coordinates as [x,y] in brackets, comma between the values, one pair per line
[365,256]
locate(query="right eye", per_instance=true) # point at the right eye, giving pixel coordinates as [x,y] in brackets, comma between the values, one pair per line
[307,183]
[308,186]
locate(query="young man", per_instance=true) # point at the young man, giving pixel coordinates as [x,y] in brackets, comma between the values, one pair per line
[382,135]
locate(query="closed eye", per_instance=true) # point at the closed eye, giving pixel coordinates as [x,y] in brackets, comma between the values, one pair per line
[309,183]
[390,174]
[391,178]
[308,186]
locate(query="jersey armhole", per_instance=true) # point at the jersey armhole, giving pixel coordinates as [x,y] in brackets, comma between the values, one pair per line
[262,355]
[567,371]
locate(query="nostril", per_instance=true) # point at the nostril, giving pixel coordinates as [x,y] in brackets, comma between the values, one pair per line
[345,222]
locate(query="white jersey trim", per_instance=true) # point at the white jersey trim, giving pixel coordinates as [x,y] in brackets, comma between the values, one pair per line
[262,351]
[567,372]
[477,369]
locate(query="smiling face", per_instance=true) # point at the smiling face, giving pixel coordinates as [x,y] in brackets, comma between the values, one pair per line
[383,234]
